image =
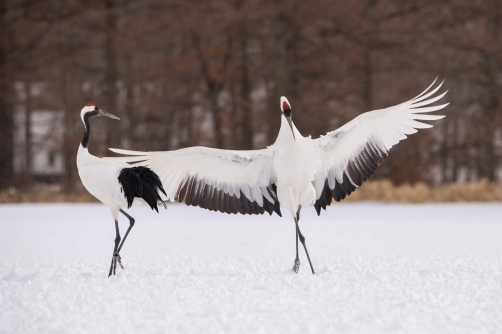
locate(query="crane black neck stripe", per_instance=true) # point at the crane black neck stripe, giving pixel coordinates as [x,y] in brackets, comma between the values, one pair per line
[287,113]
[87,124]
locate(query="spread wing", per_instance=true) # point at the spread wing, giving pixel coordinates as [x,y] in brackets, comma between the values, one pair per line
[352,153]
[217,180]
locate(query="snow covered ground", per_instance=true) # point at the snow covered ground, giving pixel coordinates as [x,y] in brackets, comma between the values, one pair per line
[381,268]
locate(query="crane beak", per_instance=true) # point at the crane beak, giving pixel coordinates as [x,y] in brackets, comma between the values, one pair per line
[107,114]
[290,121]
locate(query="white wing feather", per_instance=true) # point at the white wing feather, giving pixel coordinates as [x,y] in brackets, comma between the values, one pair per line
[373,132]
[231,171]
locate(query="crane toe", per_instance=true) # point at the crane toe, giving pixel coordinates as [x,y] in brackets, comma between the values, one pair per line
[296,267]
[113,267]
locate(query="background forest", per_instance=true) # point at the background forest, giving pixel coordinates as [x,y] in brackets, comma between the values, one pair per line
[184,73]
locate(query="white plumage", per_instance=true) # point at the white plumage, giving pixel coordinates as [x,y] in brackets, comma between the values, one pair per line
[100,177]
[295,171]
[116,184]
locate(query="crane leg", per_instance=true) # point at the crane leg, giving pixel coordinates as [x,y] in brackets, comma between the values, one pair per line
[302,240]
[118,245]
[131,224]
[296,267]
[113,265]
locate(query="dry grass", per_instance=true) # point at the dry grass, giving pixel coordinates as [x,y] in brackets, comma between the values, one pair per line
[13,195]
[385,191]
[381,191]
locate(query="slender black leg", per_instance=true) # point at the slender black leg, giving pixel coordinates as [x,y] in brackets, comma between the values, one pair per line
[116,255]
[131,224]
[118,245]
[117,241]
[302,240]
[296,266]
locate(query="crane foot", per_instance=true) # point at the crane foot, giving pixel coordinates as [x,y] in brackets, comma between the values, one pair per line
[296,267]
[113,267]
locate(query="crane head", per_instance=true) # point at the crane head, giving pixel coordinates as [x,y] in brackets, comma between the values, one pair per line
[90,110]
[285,107]
[286,111]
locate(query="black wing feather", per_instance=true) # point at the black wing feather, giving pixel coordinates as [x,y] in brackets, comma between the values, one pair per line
[195,192]
[358,170]
[143,183]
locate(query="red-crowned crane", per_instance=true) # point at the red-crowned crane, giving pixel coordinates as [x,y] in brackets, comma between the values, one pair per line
[295,171]
[116,184]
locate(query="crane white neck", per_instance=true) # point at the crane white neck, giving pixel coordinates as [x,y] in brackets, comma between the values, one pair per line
[285,134]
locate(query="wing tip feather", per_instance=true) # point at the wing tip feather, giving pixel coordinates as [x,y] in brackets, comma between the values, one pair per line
[427,89]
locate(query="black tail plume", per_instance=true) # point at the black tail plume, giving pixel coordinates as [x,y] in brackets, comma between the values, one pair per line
[142,182]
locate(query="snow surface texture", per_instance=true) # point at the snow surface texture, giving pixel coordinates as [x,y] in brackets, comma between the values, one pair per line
[380,268]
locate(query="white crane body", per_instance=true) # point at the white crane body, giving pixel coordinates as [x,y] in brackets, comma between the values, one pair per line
[116,184]
[100,178]
[295,162]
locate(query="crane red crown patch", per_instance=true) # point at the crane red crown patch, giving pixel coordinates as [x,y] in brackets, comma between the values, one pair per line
[285,106]
[90,105]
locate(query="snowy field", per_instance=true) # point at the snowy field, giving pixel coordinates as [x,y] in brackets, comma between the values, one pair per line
[380,268]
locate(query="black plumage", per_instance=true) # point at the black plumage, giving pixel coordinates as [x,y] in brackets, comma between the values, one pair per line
[196,192]
[143,183]
[357,171]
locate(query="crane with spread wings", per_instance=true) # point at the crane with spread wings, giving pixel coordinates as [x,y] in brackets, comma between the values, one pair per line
[295,171]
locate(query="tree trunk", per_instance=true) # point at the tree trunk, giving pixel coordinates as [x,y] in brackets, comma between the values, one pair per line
[296,72]
[494,91]
[455,157]
[28,142]
[367,50]
[111,73]
[68,176]
[235,121]
[6,119]
[280,87]
[130,119]
[213,90]
[245,89]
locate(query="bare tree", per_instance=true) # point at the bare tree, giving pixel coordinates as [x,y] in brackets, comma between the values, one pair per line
[6,135]
[211,73]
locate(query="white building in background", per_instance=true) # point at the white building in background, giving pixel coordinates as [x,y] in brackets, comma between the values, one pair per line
[46,137]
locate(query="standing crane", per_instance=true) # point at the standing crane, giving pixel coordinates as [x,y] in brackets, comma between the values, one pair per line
[295,171]
[116,184]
